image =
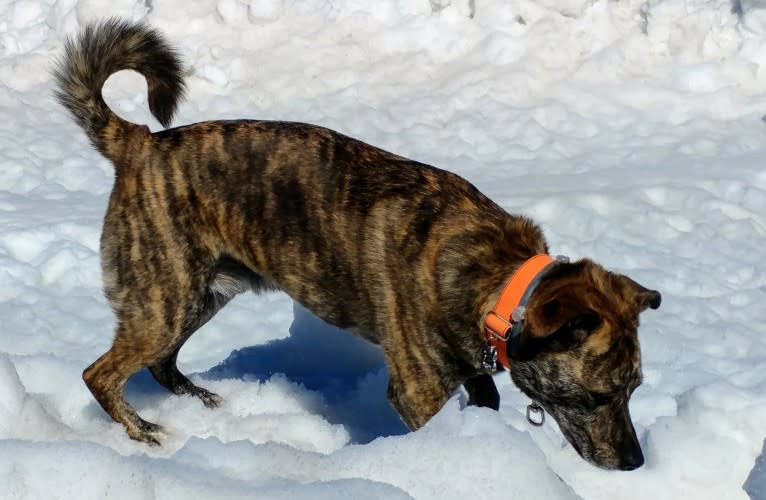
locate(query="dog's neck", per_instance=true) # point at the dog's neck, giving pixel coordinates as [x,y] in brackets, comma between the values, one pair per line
[484,263]
[522,240]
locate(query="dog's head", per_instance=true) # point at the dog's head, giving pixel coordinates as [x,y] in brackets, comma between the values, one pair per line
[579,358]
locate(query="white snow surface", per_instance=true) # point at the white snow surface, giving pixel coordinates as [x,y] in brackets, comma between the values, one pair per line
[633,131]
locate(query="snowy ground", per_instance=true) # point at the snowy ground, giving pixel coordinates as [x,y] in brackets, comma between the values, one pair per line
[634,131]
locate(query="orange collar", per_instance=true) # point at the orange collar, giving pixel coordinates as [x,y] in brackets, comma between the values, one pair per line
[503,323]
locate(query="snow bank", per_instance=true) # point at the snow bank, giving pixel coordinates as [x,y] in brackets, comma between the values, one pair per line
[90,471]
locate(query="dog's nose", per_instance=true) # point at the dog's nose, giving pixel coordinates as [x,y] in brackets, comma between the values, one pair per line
[632,460]
[655,299]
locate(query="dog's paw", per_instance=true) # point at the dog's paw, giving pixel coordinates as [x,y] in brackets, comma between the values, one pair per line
[147,432]
[209,399]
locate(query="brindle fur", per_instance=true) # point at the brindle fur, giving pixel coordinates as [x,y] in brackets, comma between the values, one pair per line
[406,255]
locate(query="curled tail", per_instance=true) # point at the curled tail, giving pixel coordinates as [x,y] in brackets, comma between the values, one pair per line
[106,47]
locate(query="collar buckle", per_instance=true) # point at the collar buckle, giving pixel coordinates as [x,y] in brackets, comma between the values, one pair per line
[497,326]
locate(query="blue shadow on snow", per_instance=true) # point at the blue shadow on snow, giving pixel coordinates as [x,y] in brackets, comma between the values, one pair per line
[348,372]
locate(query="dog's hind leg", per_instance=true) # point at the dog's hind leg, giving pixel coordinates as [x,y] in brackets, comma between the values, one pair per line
[166,373]
[107,376]
[228,278]
[154,316]
[482,391]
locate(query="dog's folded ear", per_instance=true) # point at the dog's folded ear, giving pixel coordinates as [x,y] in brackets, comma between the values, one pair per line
[637,294]
[556,325]
[559,312]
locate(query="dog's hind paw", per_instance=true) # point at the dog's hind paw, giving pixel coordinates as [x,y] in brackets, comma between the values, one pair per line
[209,399]
[147,432]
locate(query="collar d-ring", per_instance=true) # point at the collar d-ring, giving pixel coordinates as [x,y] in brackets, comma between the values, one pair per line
[535,408]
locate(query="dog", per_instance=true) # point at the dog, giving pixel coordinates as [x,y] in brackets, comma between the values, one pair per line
[403,254]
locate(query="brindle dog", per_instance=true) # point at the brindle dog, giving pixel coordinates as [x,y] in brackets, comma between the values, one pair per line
[406,255]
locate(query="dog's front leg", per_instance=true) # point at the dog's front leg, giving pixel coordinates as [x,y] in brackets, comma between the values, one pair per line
[417,392]
[482,391]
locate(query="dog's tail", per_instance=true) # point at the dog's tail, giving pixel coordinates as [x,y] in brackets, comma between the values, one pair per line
[104,48]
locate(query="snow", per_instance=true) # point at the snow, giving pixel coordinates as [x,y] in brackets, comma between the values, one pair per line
[633,131]
[756,482]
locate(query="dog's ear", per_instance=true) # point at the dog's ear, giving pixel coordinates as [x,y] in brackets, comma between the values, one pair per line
[564,314]
[558,312]
[637,294]
[558,324]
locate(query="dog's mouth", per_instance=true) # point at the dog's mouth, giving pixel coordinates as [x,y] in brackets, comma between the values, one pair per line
[605,443]
[606,458]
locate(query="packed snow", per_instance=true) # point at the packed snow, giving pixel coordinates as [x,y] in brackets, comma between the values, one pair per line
[633,131]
